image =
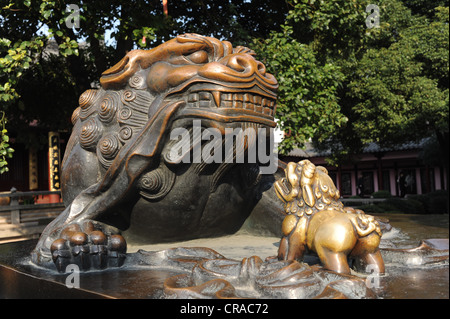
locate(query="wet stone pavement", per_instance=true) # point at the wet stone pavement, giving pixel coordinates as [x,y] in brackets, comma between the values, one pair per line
[424,276]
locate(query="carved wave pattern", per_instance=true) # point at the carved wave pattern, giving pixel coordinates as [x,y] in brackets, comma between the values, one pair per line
[109,119]
[91,132]
[107,149]
[75,115]
[87,103]
[133,114]
[137,82]
[108,107]
[157,183]
[86,99]
[208,274]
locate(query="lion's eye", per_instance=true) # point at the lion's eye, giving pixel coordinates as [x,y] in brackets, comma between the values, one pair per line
[198,57]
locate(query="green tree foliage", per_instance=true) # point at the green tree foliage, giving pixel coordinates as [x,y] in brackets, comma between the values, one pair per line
[390,82]
[16,56]
[307,96]
[342,84]
[402,90]
[50,53]
[5,151]
[310,58]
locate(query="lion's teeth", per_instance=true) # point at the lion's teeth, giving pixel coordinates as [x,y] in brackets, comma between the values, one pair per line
[249,106]
[216,96]
[193,97]
[227,100]
[204,99]
[213,99]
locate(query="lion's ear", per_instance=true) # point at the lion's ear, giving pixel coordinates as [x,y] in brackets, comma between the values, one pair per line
[308,195]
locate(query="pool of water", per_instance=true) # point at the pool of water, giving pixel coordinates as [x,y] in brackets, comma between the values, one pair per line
[421,282]
[409,229]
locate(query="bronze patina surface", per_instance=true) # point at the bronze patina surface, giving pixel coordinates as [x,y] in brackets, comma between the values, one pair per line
[120,179]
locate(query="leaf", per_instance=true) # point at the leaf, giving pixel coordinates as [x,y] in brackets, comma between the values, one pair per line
[46,14]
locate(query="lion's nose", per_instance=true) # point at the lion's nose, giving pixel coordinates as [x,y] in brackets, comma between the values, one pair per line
[245,63]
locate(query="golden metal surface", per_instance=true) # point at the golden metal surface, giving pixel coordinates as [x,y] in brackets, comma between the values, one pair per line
[33,169]
[54,158]
[317,221]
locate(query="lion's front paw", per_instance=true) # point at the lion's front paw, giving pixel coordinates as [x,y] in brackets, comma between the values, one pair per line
[88,246]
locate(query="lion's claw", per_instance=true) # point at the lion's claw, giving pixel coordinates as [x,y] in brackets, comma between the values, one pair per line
[89,249]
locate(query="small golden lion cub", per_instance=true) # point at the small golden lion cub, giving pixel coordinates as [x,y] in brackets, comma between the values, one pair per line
[317,221]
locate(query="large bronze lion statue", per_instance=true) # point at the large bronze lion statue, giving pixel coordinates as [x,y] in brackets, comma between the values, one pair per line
[317,221]
[120,179]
